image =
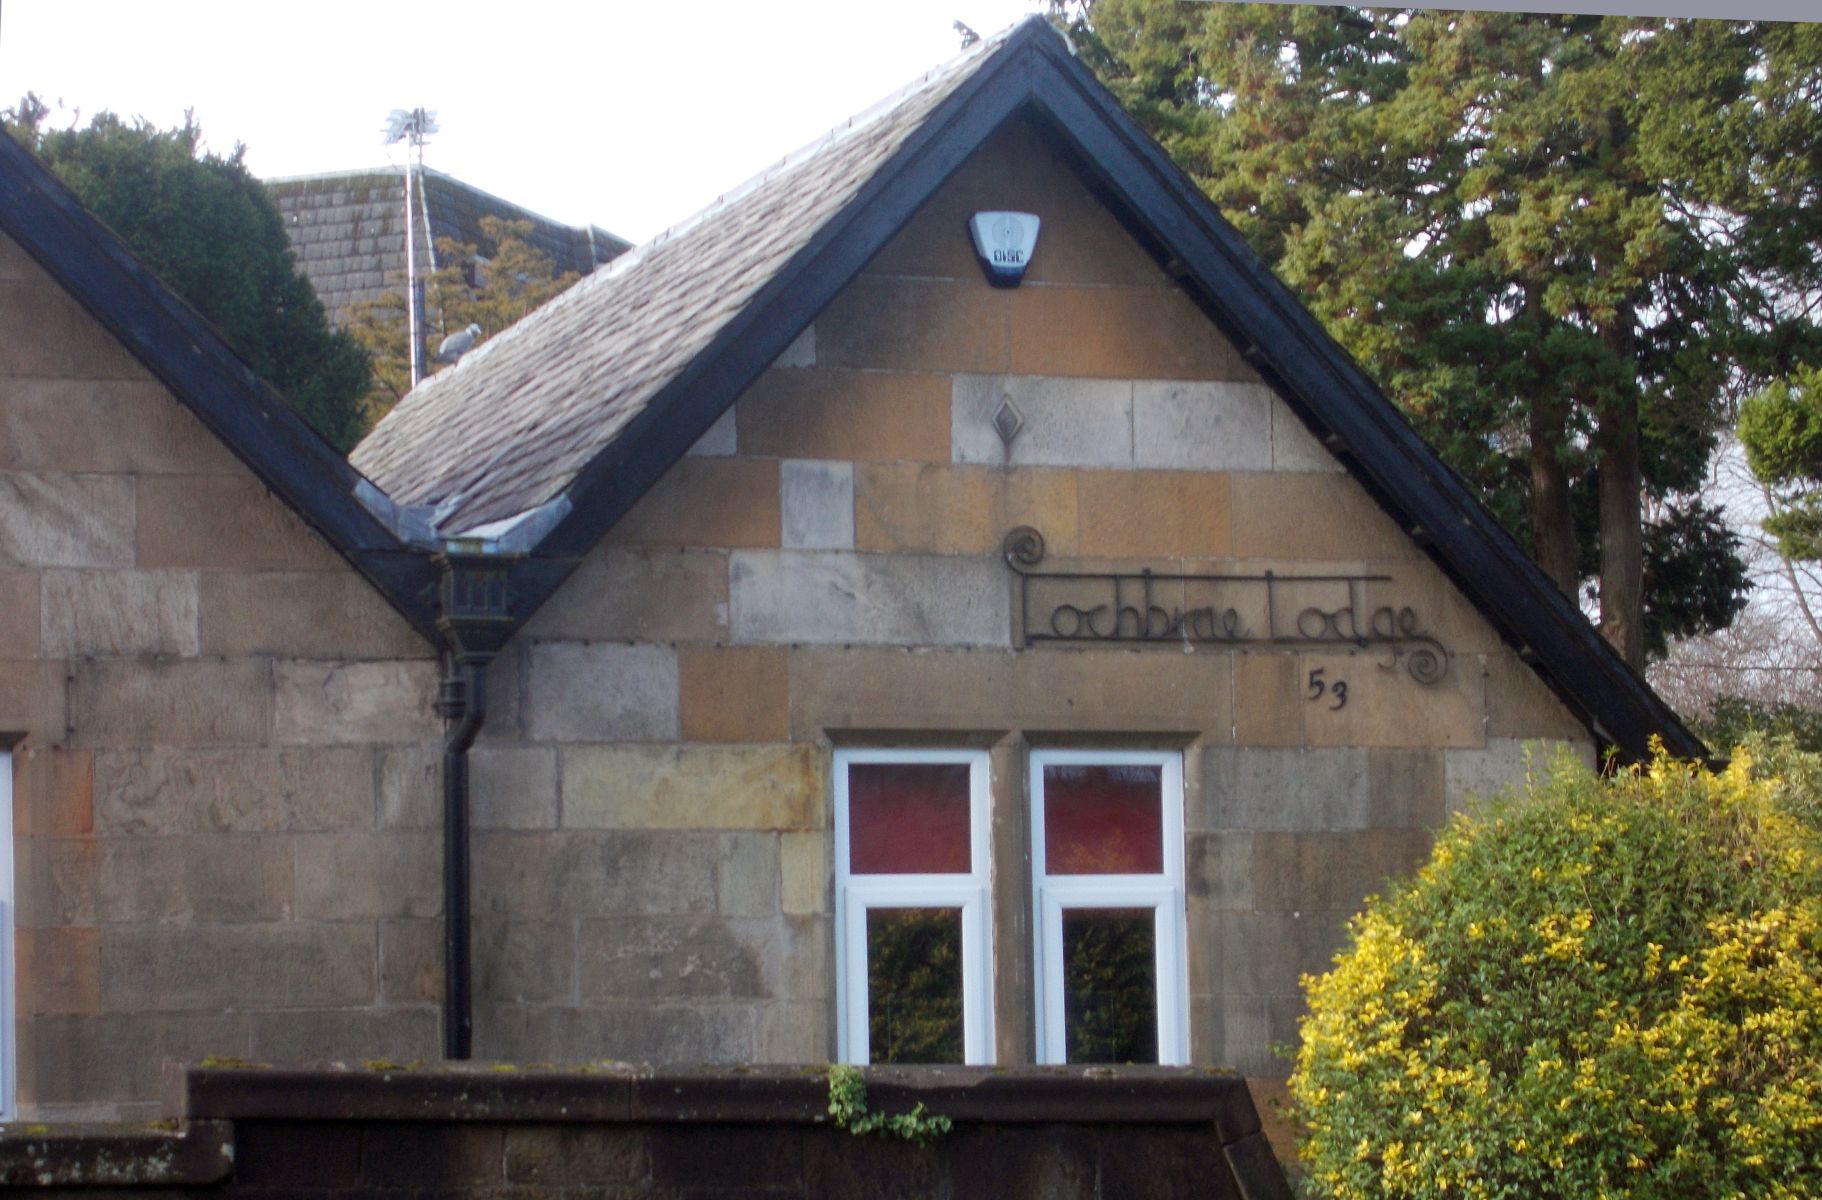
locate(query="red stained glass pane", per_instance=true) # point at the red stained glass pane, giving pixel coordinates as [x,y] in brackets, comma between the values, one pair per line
[1104,820]
[908,819]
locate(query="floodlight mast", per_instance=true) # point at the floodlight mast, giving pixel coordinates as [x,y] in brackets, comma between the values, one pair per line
[413,128]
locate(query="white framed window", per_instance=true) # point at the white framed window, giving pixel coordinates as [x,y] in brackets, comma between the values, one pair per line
[1108,906]
[913,941]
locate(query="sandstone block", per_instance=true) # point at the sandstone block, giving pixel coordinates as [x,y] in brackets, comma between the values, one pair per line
[1313,516]
[800,596]
[719,440]
[166,791]
[626,1031]
[411,961]
[1067,422]
[1520,705]
[411,788]
[326,703]
[858,416]
[1268,700]
[105,426]
[1259,787]
[302,614]
[806,868]
[523,962]
[1502,768]
[1117,333]
[639,594]
[44,333]
[288,965]
[904,324]
[357,876]
[53,792]
[34,697]
[66,520]
[505,695]
[665,958]
[1220,871]
[1201,426]
[574,873]
[120,1056]
[601,692]
[706,502]
[513,787]
[733,693]
[796,1032]
[1264,953]
[59,883]
[1251,1027]
[394,1034]
[224,521]
[946,690]
[1294,447]
[409,1155]
[748,883]
[1305,872]
[15,263]
[1406,788]
[170,702]
[184,880]
[120,613]
[1154,514]
[924,508]
[19,620]
[817,504]
[1387,707]
[58,970]
[694,787]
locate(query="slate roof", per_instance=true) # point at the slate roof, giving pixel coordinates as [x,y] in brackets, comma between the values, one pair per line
[511,425]
[345,230]
[578,410]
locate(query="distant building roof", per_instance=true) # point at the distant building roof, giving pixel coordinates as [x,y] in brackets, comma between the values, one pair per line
[345,230]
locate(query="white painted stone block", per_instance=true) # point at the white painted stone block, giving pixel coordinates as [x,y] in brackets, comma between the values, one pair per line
[1068,422]
[589,692]
[801,352]
[816,504]
[1202,426]
[1294,448]
[719,441]
[1503,765]
[877,599]
[66,520]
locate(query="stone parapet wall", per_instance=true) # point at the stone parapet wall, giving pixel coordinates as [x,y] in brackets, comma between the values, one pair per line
[634,1132]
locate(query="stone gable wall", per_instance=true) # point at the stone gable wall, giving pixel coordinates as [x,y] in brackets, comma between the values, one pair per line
[653,876]
[225,795]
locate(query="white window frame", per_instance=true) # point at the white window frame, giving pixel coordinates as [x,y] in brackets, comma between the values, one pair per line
[1163,893]
[9,1057]
[856,894]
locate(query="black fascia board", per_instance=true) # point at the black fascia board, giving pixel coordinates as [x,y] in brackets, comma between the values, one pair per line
[186,354]
[1321,380]
[1035,73]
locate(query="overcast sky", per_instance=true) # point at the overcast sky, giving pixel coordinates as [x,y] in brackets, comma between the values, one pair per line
[627,115]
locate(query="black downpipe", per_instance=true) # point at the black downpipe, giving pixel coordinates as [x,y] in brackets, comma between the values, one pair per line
[463,702]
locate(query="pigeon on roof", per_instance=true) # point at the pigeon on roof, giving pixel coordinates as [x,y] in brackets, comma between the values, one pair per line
[456,345]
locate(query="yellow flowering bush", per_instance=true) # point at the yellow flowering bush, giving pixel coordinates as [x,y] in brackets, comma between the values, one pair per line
[1599,988]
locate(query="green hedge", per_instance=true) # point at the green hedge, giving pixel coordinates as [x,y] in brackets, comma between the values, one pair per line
[1598,988]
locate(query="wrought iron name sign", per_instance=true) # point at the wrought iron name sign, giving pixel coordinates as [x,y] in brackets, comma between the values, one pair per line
[1316,612]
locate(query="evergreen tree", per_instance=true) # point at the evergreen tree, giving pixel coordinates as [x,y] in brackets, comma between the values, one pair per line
[1561,243]
[206,227]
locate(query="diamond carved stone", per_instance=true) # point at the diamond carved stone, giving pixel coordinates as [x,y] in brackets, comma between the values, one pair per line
[1007,421]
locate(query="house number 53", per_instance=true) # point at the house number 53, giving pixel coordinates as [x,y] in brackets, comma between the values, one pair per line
[1320,687]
